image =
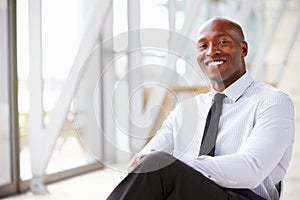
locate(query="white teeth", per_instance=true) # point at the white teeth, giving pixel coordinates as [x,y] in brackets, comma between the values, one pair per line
[215,63]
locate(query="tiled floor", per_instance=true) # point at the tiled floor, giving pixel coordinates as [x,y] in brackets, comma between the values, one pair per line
[97,185]
[92,186]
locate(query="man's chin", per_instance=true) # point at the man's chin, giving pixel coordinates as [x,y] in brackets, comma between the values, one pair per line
[217,83]
[216,79]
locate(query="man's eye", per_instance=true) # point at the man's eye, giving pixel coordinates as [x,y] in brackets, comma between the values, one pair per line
[223,42]
[201,46]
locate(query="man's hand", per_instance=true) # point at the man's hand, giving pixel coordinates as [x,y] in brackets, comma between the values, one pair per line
[136,159]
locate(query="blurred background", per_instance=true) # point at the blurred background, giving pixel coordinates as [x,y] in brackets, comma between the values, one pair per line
[86,83]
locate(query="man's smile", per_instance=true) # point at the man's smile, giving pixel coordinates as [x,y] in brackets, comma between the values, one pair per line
[214,63]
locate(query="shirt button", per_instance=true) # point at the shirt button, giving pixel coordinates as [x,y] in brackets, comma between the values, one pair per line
[209,176]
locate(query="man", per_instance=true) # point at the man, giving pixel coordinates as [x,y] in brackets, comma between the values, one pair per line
[255,133]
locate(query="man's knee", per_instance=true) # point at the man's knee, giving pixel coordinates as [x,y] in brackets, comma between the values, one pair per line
[154,161]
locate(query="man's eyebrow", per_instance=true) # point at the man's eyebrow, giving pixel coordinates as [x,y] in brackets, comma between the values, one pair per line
[222,35]
[201,40]
[216,36]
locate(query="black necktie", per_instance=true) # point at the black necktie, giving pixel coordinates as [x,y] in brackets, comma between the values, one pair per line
[211,126]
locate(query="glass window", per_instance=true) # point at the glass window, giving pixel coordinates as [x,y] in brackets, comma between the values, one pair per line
[61,35]
[5,139]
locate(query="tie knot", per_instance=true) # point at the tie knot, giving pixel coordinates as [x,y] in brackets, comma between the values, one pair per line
[219,97]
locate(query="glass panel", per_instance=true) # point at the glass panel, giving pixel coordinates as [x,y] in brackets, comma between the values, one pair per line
[61,35]
[61,38]
[5,139]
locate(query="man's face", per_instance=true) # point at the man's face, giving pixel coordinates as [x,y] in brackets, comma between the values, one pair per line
[221,51]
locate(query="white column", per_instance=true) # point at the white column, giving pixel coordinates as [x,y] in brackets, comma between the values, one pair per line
[36,129]
[108,79]
[136,98]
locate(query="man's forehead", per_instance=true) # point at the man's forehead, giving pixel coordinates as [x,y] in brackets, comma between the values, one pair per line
[214,35]
[217,27]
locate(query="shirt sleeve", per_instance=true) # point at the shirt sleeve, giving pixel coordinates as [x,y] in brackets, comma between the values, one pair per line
[164,138]
[272,135]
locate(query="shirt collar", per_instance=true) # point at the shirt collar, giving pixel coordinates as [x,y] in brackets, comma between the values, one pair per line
[236,89]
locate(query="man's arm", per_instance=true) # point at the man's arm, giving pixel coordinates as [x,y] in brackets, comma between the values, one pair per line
[162,141]
[272,135]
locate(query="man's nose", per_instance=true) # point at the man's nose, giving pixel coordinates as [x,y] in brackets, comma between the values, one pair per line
[212,50]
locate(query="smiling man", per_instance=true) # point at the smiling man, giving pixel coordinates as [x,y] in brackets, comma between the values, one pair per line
[221,52]
[236,145]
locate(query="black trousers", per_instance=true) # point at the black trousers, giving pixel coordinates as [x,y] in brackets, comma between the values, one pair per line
[160,176]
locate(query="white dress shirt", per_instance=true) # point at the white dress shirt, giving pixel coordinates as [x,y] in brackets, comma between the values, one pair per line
[254,142]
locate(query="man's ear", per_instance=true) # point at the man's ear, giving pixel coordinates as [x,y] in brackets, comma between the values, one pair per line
[244,49]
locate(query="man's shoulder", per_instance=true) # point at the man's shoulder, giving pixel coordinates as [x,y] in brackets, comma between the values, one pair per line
[262,88]
[268,92]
